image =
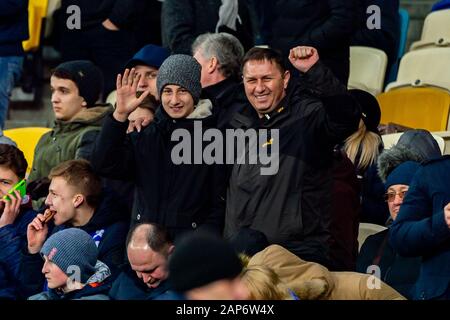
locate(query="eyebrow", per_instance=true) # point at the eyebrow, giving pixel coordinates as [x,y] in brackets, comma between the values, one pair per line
[6,180]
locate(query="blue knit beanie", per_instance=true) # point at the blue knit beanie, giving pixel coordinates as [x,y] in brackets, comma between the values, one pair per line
[72,247]
[150,55]
[182,70]
[402,174]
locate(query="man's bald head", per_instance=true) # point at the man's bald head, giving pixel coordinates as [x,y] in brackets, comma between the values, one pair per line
[148,236]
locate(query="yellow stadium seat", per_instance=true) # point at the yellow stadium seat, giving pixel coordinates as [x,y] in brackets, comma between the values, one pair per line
[419,108]
[367,69]
[435,32]
[26,139]
[37,10]
[424,68]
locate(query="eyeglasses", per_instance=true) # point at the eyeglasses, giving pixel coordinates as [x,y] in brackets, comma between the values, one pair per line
[390,196]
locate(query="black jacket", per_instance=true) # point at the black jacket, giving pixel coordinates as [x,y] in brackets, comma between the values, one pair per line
[386,38]
[111,249]
[183,20]
[399,272]
[180,197]
[13,27]
[93,13]
[292,207]
[323,24]
[229,97]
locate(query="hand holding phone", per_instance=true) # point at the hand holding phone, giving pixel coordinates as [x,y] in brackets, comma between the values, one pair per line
[21,187]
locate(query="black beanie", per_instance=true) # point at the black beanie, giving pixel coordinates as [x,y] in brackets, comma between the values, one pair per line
[200,259]
[87,76]
[370,109]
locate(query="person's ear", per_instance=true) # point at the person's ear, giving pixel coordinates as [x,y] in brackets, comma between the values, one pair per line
[213,64]
[286,77]
[170,250]
[84,103]
[78,200]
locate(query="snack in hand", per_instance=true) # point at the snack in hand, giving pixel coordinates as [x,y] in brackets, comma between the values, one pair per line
[48,215]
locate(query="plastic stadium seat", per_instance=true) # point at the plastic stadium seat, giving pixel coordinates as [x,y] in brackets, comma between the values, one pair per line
[26,139]
[419,108]
[404,26]
[422,68]
[37,10]
[367,229]
[367,69]
[435,32]
[391,139]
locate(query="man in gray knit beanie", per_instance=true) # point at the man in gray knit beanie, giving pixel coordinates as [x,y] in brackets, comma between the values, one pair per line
[70,249]
[182,70]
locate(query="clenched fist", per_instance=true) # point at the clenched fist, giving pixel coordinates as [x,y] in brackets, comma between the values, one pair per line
[303,58]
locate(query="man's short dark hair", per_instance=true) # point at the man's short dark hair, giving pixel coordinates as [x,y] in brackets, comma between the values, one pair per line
[157,236]
[12,158]
[261,54]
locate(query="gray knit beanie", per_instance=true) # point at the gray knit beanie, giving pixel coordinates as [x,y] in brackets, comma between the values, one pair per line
[72,247]
[182,70]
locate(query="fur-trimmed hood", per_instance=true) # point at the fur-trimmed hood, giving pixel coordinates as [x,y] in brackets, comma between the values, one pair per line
[391,158]
[414,145]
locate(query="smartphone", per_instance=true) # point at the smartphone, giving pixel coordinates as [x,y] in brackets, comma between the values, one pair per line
[21,186]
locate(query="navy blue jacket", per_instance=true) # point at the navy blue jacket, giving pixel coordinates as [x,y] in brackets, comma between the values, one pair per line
[128,286]
[111,248]
[12,238]
[420,228]
[13,27]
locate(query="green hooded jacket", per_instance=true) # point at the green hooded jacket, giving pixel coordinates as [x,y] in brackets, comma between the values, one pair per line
[68,140]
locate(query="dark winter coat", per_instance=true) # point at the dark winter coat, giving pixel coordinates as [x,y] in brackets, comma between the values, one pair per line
[420,229]
[292,207]
[399,272]
[93,13]
[12,238]
[323,24]
[181,197]
[13,27]
[385,38]
[184,20]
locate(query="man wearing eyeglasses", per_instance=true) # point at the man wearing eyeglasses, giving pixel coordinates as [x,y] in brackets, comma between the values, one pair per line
[422,229]
[397,271]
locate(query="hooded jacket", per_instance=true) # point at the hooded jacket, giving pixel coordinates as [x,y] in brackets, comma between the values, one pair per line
[181,197]
[96,288]
[292,207]
[106,227]
[68,140]
[414,145]
[312,281]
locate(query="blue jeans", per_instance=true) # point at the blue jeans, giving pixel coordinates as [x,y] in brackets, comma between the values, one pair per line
[10,71]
